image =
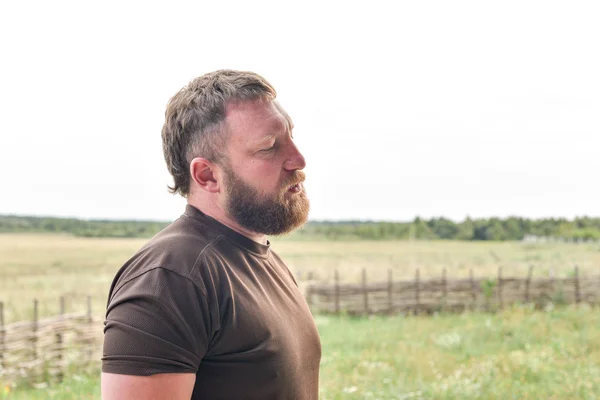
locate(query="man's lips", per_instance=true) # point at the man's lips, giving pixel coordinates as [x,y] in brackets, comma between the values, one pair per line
[296,188]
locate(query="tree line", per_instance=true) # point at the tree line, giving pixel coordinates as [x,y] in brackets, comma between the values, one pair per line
[500,229]
[80,227]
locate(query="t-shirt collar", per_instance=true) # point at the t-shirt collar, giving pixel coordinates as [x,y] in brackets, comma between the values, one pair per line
[234,236]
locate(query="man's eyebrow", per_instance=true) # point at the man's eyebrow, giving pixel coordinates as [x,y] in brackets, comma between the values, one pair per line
[285,124]
[267,138]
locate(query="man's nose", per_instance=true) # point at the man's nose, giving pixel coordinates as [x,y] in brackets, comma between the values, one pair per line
[295,159]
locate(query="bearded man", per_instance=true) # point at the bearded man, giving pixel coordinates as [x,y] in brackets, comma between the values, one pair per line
[206,309]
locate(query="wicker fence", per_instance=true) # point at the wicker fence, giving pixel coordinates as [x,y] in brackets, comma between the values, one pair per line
[442,294]
[44,349]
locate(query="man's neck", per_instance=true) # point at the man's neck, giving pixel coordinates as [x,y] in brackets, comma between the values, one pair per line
[220,215]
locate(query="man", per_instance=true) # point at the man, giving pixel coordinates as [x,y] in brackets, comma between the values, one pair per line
[206,309]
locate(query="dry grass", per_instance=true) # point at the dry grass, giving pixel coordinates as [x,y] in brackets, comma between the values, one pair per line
[46,266]
[404,257]
[49,266]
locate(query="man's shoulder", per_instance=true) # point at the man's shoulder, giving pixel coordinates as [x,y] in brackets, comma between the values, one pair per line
[177,249]
[185,237]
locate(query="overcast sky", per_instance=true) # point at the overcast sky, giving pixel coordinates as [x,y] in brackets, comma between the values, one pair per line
[401,108]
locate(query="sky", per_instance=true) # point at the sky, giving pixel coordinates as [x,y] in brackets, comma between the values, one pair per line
[401,108]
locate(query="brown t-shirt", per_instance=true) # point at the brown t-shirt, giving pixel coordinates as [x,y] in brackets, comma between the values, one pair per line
[202,298]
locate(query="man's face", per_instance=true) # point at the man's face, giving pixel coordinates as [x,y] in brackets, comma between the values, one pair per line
[262,171]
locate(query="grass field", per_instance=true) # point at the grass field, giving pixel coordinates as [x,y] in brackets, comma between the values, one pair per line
[516,354]
[519,353]
[49,266]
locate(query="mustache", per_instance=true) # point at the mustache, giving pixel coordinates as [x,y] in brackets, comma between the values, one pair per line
[297,178]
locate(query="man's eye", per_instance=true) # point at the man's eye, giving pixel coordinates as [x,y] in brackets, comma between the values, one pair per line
[269,149]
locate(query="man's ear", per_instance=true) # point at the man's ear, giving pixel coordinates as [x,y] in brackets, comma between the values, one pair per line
[204,173]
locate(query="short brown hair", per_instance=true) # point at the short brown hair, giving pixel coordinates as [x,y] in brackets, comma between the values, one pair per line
[194,119]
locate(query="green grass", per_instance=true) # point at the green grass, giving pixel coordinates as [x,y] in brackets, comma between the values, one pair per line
[519,353]
[76,387]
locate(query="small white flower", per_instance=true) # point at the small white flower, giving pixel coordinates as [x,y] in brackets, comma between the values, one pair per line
[351,389]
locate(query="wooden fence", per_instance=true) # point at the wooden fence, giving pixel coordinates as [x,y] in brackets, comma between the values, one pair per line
[43,349]
[442,294]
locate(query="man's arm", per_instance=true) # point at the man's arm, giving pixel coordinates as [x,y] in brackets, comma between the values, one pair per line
[156,333]
[153,387]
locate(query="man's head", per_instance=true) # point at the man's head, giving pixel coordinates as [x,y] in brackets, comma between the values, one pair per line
[227,140]
[195,119]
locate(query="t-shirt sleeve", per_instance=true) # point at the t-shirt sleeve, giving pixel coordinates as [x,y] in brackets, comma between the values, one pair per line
[157,322]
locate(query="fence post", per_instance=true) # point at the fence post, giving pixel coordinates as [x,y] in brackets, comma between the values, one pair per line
[390,291]
[90,321]
[500,299]
[417,294]
[528,283]
[34,328]
[577,293]
[59,342]
[337,291]
[365,291]
[34,339]
[552,291]
[2,335]
[89,309]
[473,293]
[444,289]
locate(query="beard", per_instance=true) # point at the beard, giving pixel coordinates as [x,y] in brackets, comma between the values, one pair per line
[275,214]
